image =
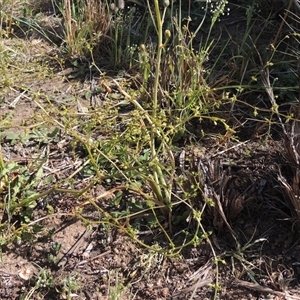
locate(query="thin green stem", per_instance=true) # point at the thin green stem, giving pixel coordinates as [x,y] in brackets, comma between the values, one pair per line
[158,58]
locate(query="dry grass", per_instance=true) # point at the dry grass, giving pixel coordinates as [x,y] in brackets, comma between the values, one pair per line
[292,156]
[85,29]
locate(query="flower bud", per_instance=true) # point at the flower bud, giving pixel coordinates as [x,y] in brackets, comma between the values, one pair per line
[166,3]
[143,47]
[167,34]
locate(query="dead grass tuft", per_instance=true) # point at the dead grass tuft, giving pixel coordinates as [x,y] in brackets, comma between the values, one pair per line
[292,156]
[218,193]
[85,26]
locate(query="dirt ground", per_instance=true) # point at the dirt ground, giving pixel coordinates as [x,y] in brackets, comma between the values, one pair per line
[95,263]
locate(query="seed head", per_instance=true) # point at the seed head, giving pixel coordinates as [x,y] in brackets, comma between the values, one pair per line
[167,34]
[143,47]
[166,3]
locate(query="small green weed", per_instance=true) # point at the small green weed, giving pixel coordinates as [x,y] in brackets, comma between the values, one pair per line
[116,288]
[43,281]
[69,287]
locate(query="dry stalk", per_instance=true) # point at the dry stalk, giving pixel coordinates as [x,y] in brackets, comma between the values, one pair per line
[262,289]
[68,22]
[202,277]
